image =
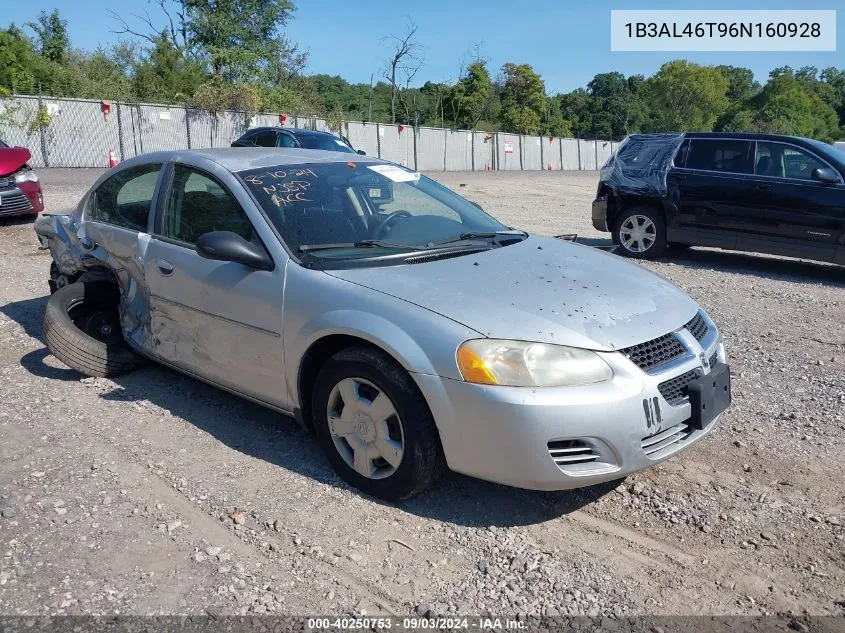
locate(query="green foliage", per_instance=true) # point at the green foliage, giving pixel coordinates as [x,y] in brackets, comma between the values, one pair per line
[239,38]
[470,99]
[523,99]
[51,32]
[41,120]
[790,104]
[686,97]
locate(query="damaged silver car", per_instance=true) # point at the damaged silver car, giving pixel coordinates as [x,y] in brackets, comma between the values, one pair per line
[408,328]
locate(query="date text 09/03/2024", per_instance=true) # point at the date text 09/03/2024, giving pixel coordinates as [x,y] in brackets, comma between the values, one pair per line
[415,623]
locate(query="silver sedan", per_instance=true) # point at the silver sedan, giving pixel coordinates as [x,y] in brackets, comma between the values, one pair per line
[408,328]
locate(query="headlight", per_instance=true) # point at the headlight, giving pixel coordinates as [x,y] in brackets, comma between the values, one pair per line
[26,176]
[525,364]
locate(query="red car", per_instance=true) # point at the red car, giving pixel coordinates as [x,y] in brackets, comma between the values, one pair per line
[20,191]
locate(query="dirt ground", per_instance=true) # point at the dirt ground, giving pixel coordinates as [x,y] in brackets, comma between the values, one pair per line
[117,496]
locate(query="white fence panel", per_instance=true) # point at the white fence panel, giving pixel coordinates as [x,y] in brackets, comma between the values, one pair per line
[571,157]
[430,143]
[21,112]
[484,151]
[363,136]
[604,150]
[458,150]
[397,144]
[531,153]
[508,152]
[588,154]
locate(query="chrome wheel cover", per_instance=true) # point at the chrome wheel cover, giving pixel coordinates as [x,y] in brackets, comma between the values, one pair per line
[365,428]
[637,233]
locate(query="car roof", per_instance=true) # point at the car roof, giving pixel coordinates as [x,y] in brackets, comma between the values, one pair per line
[243,158]
[296,131]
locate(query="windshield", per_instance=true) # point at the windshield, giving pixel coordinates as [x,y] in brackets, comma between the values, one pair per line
[339,207]
[324,141]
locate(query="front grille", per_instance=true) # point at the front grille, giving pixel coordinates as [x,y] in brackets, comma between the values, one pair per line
[714,359]
[655,445]
[6,183]
[571,452]
[674,390]
[656,352]
[15,203]
[697,326]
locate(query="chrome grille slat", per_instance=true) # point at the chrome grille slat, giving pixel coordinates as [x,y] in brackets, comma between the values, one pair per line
[714,359]
[665,439]
[14,203]
[571,452]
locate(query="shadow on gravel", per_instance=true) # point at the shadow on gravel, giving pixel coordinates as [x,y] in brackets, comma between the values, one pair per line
[793,270]
[267,435]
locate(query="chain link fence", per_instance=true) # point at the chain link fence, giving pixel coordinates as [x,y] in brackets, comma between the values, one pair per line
[62,132]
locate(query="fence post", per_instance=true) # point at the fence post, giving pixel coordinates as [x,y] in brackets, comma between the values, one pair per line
[560,149]
[378,140]
[520,153]
[472,150]
[416,131]
[41,129]
[445,142]
[596,151]
[578,143]
[542,159]
[188,126]
[119,131]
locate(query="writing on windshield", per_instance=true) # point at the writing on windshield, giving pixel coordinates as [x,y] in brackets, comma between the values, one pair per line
[284,186]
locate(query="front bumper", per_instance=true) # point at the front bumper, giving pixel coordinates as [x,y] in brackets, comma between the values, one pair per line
[600,214]
[567,437]
[23,199]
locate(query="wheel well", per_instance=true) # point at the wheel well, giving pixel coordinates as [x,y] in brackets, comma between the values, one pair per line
[314,359]
[626,202]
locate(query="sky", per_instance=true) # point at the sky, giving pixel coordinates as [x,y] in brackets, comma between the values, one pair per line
[566,42]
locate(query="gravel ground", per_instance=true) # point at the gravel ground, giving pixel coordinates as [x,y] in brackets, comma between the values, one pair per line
[156,494]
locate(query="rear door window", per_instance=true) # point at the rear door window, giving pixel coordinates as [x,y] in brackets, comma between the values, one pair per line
[730,156]
[125,199]
[267,138]
[286,140]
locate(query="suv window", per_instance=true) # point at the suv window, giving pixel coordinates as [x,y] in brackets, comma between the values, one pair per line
[720,155]
[680,159]
[198,204]
[125,198]
[785,161]
[267,138]
[286,140]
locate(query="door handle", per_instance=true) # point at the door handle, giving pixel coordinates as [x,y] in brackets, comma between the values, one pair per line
[762,185]
[164,267]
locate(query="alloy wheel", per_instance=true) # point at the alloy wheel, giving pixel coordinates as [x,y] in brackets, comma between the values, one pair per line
[637,233]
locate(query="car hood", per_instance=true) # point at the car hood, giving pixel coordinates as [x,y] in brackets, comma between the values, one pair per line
[12,159]
[541,289]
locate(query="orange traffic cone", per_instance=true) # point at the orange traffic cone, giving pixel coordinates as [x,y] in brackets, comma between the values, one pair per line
[550,166]
[112,158]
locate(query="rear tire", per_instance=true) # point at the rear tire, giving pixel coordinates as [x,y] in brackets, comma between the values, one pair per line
[640,232]
[82,329]
[345,390]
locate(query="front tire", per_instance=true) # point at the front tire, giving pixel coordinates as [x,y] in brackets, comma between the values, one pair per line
[82,329]
[374,425]
[640,232]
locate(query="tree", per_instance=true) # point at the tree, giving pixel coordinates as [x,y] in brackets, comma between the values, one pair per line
[470,98]
[523,99]
[741,84]
[405,61]
[51,31]
[165,74]
[611,104]
[787,105]
[686,97]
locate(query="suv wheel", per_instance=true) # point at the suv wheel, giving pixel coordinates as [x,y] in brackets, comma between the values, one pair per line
[374,425]
[640,232]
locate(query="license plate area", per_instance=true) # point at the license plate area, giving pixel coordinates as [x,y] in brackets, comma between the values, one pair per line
[709,395]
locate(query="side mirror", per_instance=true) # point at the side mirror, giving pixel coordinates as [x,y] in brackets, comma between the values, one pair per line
[362,152]
[825,175]
[231,247]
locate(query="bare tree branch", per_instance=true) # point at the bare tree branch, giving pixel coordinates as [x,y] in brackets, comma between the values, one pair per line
[406,59]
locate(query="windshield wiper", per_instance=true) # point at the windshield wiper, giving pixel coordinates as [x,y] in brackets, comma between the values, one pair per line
[479,235]
[307,248]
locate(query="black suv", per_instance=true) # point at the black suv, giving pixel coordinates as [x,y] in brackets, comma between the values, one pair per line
[295,137]
[751,192]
